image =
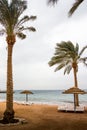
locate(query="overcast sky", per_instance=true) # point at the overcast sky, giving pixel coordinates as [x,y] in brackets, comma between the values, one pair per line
[31,56]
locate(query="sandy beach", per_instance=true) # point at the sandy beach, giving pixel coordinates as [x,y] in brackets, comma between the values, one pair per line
[45,117]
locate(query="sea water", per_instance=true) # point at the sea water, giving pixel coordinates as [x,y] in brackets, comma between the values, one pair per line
[45,97]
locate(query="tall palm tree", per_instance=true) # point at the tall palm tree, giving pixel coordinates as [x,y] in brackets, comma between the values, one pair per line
[68,56]
[73,8]
[12,25]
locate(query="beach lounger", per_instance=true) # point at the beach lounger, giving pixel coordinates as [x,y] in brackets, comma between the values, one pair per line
[70,108]
[62,108]
[23,103]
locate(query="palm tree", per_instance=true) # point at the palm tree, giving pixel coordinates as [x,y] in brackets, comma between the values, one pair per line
[67,55]
[12,26]
[73,8]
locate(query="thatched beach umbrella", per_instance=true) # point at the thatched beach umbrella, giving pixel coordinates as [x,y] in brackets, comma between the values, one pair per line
[26,92]
[74,91]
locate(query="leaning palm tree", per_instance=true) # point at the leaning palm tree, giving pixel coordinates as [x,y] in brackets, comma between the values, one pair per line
[12,26]
[73,8]
[67,55]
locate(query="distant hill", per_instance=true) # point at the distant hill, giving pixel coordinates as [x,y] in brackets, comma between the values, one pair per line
[2,91]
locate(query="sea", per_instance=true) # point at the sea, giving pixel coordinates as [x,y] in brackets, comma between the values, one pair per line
[51,97]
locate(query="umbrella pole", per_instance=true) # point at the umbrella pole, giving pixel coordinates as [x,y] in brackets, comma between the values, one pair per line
[74,103]
[26,97]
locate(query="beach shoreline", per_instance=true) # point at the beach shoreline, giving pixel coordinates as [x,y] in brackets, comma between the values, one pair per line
[45,97]
[45,117]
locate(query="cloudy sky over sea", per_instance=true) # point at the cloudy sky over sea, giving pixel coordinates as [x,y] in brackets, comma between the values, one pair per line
[31,56]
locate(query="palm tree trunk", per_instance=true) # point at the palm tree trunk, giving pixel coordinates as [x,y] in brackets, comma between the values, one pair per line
[76,85]
[9,112]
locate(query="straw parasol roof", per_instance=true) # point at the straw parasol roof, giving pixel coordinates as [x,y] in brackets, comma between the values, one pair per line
[26,92]
[74,90]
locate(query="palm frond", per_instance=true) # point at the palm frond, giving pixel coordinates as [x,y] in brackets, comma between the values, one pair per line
[83,60]
[51,63]
[56,60]
[75,6]
[77,48]
[4,13]
[52,1]
[85,64]
[21,35]
[66,46]
[31,29]
[16,8]
[2,32]
[67,69]
[32,17]
[83,49]
[25,19]
[26,28]
[22,28]
[59,67]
